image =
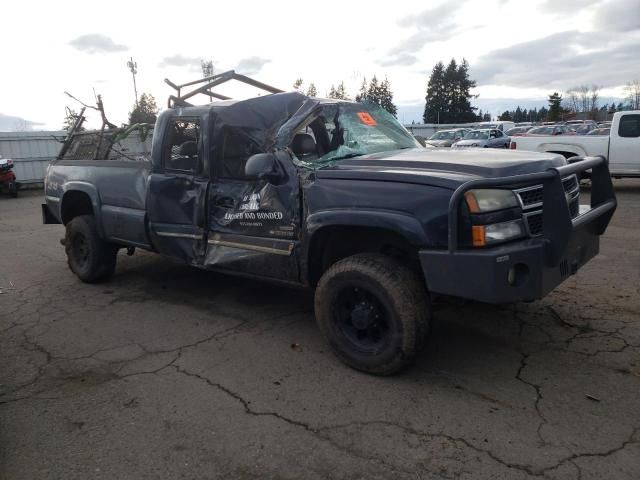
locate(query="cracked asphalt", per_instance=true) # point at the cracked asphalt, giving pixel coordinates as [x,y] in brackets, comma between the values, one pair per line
[172,372]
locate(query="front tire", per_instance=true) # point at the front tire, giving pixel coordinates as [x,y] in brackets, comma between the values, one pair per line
[374,312]
[89,257]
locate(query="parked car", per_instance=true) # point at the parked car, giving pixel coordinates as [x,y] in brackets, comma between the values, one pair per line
[621,148]
[484,138]
[517,131]
[337,197]
[502,125]
[583,129]
[550,130]
[599,131]
[445,138]
[578,123]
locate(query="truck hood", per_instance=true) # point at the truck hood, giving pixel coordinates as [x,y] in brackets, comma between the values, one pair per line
[440,167]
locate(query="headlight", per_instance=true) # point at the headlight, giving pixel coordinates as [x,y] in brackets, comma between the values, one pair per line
[474,144]
[497,232]
[481,201]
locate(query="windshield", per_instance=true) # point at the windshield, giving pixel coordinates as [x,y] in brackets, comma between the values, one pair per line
[347,130]
[477,135]
[443,136]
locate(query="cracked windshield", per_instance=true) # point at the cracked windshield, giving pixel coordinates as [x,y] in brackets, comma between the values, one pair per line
[349,130]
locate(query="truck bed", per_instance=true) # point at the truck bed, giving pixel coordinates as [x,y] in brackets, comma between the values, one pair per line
[117,190]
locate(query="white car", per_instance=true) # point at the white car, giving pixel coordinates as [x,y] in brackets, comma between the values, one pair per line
[484,139]
[621,147]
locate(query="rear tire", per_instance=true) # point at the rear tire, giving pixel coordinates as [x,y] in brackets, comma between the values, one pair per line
[13,190]
[89,257]
[374,312]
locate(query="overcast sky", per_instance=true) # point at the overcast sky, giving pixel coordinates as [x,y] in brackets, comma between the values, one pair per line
[518,50]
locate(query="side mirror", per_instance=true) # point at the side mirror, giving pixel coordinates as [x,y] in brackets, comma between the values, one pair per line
[263,165]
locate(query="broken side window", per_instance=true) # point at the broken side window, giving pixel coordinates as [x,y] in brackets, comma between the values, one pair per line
[183,150]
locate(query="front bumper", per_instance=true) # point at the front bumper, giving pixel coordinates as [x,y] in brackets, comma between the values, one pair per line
[528,269]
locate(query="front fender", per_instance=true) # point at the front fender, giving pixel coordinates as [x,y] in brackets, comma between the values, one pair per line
[405,225]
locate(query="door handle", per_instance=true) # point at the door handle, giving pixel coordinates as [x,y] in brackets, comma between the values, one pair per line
[224,202]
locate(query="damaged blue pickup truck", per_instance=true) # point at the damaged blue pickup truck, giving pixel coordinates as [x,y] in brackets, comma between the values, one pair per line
[335,196]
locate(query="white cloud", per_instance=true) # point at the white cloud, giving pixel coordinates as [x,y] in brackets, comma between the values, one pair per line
[96,43]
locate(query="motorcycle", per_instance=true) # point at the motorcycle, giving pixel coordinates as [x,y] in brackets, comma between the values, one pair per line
[7,177]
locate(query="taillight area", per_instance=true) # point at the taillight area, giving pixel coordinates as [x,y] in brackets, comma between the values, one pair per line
[513,145]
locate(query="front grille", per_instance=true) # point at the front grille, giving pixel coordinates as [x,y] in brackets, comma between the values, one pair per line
[534,222]
[532,196]
[531,201]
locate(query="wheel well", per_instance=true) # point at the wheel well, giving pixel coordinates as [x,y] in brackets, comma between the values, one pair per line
[332,244]
[566,154]
[75,203]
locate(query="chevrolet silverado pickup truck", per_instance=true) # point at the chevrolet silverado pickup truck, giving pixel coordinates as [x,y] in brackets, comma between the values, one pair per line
[337,197]
[621,147]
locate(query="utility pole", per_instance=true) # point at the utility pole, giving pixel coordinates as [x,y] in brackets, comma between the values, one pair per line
[133,66]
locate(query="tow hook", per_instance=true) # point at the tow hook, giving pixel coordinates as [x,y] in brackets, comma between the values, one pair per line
[131,250]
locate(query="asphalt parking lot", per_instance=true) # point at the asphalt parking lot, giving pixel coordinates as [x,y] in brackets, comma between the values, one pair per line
[172,372]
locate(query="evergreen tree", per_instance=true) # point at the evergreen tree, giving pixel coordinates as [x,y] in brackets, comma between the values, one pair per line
[338,92]
[386,97]
[517,115]
[448,98]
[543,113]
[506,115]
[312,91]
[373,91]
[486,117]
[620,107]
[435,101]
[451,92]
[297,85]
[146,111]
[555,107]
[462,109]
[361,97]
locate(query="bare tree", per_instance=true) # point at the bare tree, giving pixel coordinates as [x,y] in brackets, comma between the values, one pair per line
[633,94]
[595,97]
[583,98]
[571,100]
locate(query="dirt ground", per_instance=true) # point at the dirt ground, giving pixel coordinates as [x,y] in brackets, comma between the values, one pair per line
[171,372]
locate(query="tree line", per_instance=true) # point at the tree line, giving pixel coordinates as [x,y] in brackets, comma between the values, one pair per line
[579,99]
[448,99]
[375,91]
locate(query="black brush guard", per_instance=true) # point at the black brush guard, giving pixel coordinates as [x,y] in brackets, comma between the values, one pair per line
[528,269]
